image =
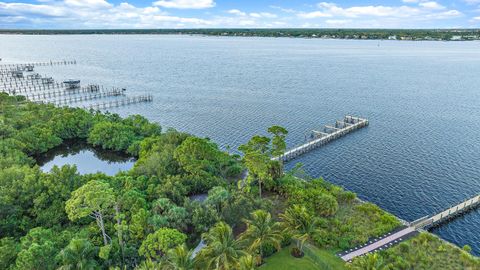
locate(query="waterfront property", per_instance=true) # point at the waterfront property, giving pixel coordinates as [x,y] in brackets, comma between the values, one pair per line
[39,89]
[328,134]
[406,232]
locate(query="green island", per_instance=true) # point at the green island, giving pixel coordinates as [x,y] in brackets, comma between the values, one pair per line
[327,33]
[145,218]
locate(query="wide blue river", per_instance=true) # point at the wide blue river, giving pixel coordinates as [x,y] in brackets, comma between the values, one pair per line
[420,154]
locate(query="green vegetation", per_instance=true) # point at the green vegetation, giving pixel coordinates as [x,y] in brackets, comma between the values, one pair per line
[423,252]
[144,218]
[314,259]
[282,260]
[398,34]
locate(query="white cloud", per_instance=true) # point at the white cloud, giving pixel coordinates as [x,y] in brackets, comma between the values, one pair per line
[237,12]
[93,14]
[431,5]
[256,15]
[263,15]
[104,14]
[19,9]
[314,14]
[338,23]
[185,4]
[286,10]
[88,3]
[472,2]
[414,14]
[428,9]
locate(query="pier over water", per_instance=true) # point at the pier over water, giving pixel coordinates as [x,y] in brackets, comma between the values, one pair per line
[404,233]
[326,135]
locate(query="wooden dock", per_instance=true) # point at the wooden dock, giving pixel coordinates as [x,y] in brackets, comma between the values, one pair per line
[19,79]
[393,238]
[27,66]
[328,134]
[46,96]
[118,103]
[73,99]
[447,214]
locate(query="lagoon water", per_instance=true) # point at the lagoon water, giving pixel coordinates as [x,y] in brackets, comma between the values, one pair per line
[420,154]
[86,158]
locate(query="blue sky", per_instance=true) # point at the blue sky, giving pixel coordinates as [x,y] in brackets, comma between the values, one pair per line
[85,14]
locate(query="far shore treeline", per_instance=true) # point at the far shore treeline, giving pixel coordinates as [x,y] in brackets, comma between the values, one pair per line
[380,34]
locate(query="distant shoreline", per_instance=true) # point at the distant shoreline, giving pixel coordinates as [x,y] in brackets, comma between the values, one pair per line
[347,34]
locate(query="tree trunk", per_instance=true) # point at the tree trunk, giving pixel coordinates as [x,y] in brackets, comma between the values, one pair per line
[260,188]
[119,232]
[102,227]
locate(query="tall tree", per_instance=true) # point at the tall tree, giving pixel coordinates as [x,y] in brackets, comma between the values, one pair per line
[256,158]
[278,141]
[196,154]
[180,258]
[261,230]
[94,199]
[158,243]
[301,224]
[38,250]
[79,254]
[222,252]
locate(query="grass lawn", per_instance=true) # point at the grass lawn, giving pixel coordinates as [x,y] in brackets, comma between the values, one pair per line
[317,259]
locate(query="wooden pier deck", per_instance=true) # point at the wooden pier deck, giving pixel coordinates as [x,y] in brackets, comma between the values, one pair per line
[19,79]
[329,133]
[73,99]
[22,66]
[423,223]
[447,214]
[118,103]
[61,92]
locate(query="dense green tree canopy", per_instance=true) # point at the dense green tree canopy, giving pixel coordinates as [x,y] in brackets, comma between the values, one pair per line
[151,217]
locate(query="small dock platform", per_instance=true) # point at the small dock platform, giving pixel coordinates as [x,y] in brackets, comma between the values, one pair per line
[326,135]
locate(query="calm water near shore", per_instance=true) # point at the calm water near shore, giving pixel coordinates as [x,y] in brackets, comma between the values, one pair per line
[88,159]
[420,154]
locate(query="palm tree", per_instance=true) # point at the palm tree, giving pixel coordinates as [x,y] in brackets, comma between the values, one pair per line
[180,258]
[148,264]
[79,254]
[247,262]
[222,251]
[261,230]
[300,224]
[370,262]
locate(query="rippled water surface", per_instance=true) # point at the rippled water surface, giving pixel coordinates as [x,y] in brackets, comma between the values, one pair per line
[420,154]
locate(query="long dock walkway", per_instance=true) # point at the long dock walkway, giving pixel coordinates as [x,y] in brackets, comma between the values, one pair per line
[118,103]
[451,212]
[328,134]
[22,66]
[413,228]
[380,244]
[20,79]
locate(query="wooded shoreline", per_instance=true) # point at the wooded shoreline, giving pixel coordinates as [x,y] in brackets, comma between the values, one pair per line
[322,33]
